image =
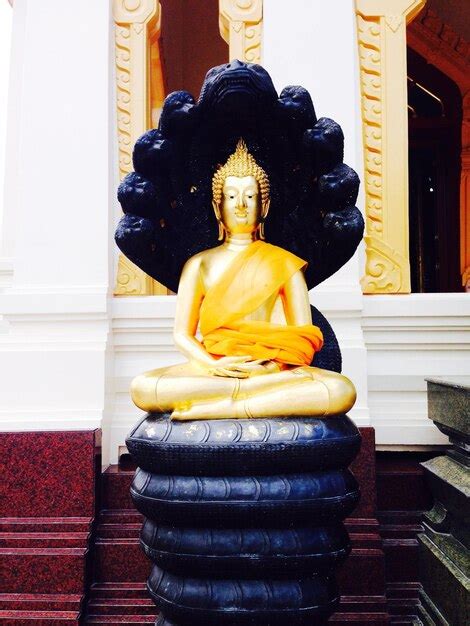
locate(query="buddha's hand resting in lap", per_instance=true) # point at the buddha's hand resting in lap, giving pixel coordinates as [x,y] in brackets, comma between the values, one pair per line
[242,367]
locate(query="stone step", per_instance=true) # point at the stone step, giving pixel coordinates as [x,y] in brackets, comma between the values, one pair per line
[122,606]
[43,539]
[141,606]
[118,620]
[119,590]
[356,609]
[45,524]
[110,531]
[399,518]
[362,525]
[42,570]
[363,573]
[403,590]
[39,602]
[120,516]
[401,485]
[402,606]
[38,618]
[406,531]
[365,540]
[401,559]
[363,604]
[120,560]
[338,619]
[115,486]
[120,533]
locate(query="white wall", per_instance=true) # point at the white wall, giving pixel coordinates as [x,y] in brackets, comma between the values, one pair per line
[410,338]
[58,218]
[6,20]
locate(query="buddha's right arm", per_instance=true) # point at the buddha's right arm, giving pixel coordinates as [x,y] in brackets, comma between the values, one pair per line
[188,304]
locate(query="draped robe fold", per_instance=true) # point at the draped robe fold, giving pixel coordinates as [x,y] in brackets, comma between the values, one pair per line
[254,275]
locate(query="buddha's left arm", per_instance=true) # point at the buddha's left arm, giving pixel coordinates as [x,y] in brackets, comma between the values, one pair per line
[296,301]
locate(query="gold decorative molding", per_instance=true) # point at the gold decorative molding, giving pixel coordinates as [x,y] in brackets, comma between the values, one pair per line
[465,211]
[241,23]
[131,280]
[381,33]
[137,22]
[384,265]
[440,45]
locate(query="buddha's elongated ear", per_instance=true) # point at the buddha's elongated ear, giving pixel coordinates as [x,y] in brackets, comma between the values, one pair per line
[218,217]
[265,208]
[215,206]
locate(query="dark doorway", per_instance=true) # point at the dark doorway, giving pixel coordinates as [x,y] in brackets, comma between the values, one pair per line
[434,130]
[191,43]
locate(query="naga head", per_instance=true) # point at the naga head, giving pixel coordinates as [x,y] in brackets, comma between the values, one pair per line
[237,88]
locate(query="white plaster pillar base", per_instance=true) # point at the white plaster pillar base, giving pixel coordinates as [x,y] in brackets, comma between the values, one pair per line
[314,44]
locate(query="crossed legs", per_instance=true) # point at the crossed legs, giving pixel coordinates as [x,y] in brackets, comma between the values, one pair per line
[190,393]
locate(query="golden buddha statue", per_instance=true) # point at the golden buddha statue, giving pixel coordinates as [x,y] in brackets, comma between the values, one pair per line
[250,302]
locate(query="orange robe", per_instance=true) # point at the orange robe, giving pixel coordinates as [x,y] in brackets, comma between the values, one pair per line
[255,274]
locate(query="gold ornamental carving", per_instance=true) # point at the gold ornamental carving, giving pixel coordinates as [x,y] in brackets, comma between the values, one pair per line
[465,215]
[383,268]
[132,281]
[240,23]
[137,23]
[381,33]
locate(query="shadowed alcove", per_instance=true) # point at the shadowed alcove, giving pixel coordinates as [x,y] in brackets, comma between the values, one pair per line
[434,125]
[190,43]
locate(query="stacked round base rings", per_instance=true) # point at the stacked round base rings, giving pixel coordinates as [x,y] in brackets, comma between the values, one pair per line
[244,518]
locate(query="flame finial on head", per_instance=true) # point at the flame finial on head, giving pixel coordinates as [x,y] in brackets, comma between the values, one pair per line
[240,163]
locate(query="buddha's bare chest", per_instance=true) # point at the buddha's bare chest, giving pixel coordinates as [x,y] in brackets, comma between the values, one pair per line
[212,270]
[214,266]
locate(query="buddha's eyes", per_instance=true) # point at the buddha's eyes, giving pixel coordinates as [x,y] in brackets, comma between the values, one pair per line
[230,195]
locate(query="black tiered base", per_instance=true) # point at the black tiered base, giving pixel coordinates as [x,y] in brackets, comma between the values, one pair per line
[244,517]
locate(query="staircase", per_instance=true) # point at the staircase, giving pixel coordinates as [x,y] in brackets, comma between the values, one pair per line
[65,559]
[46,521]
[120,603]
[118,594]
[402,497]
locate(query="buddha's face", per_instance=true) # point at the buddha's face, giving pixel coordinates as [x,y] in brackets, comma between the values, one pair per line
[240,209]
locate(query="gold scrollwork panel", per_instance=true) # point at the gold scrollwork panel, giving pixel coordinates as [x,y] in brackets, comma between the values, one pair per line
[465,218]
[241,23]
[381,33]
[137,25]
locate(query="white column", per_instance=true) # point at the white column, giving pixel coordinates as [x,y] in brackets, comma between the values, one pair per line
[6,53]
[313,43]
[58,220]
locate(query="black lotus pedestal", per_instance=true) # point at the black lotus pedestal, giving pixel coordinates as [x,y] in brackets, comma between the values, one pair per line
[244,517]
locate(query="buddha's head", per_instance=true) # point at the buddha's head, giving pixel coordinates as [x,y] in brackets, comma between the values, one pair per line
[240,194]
